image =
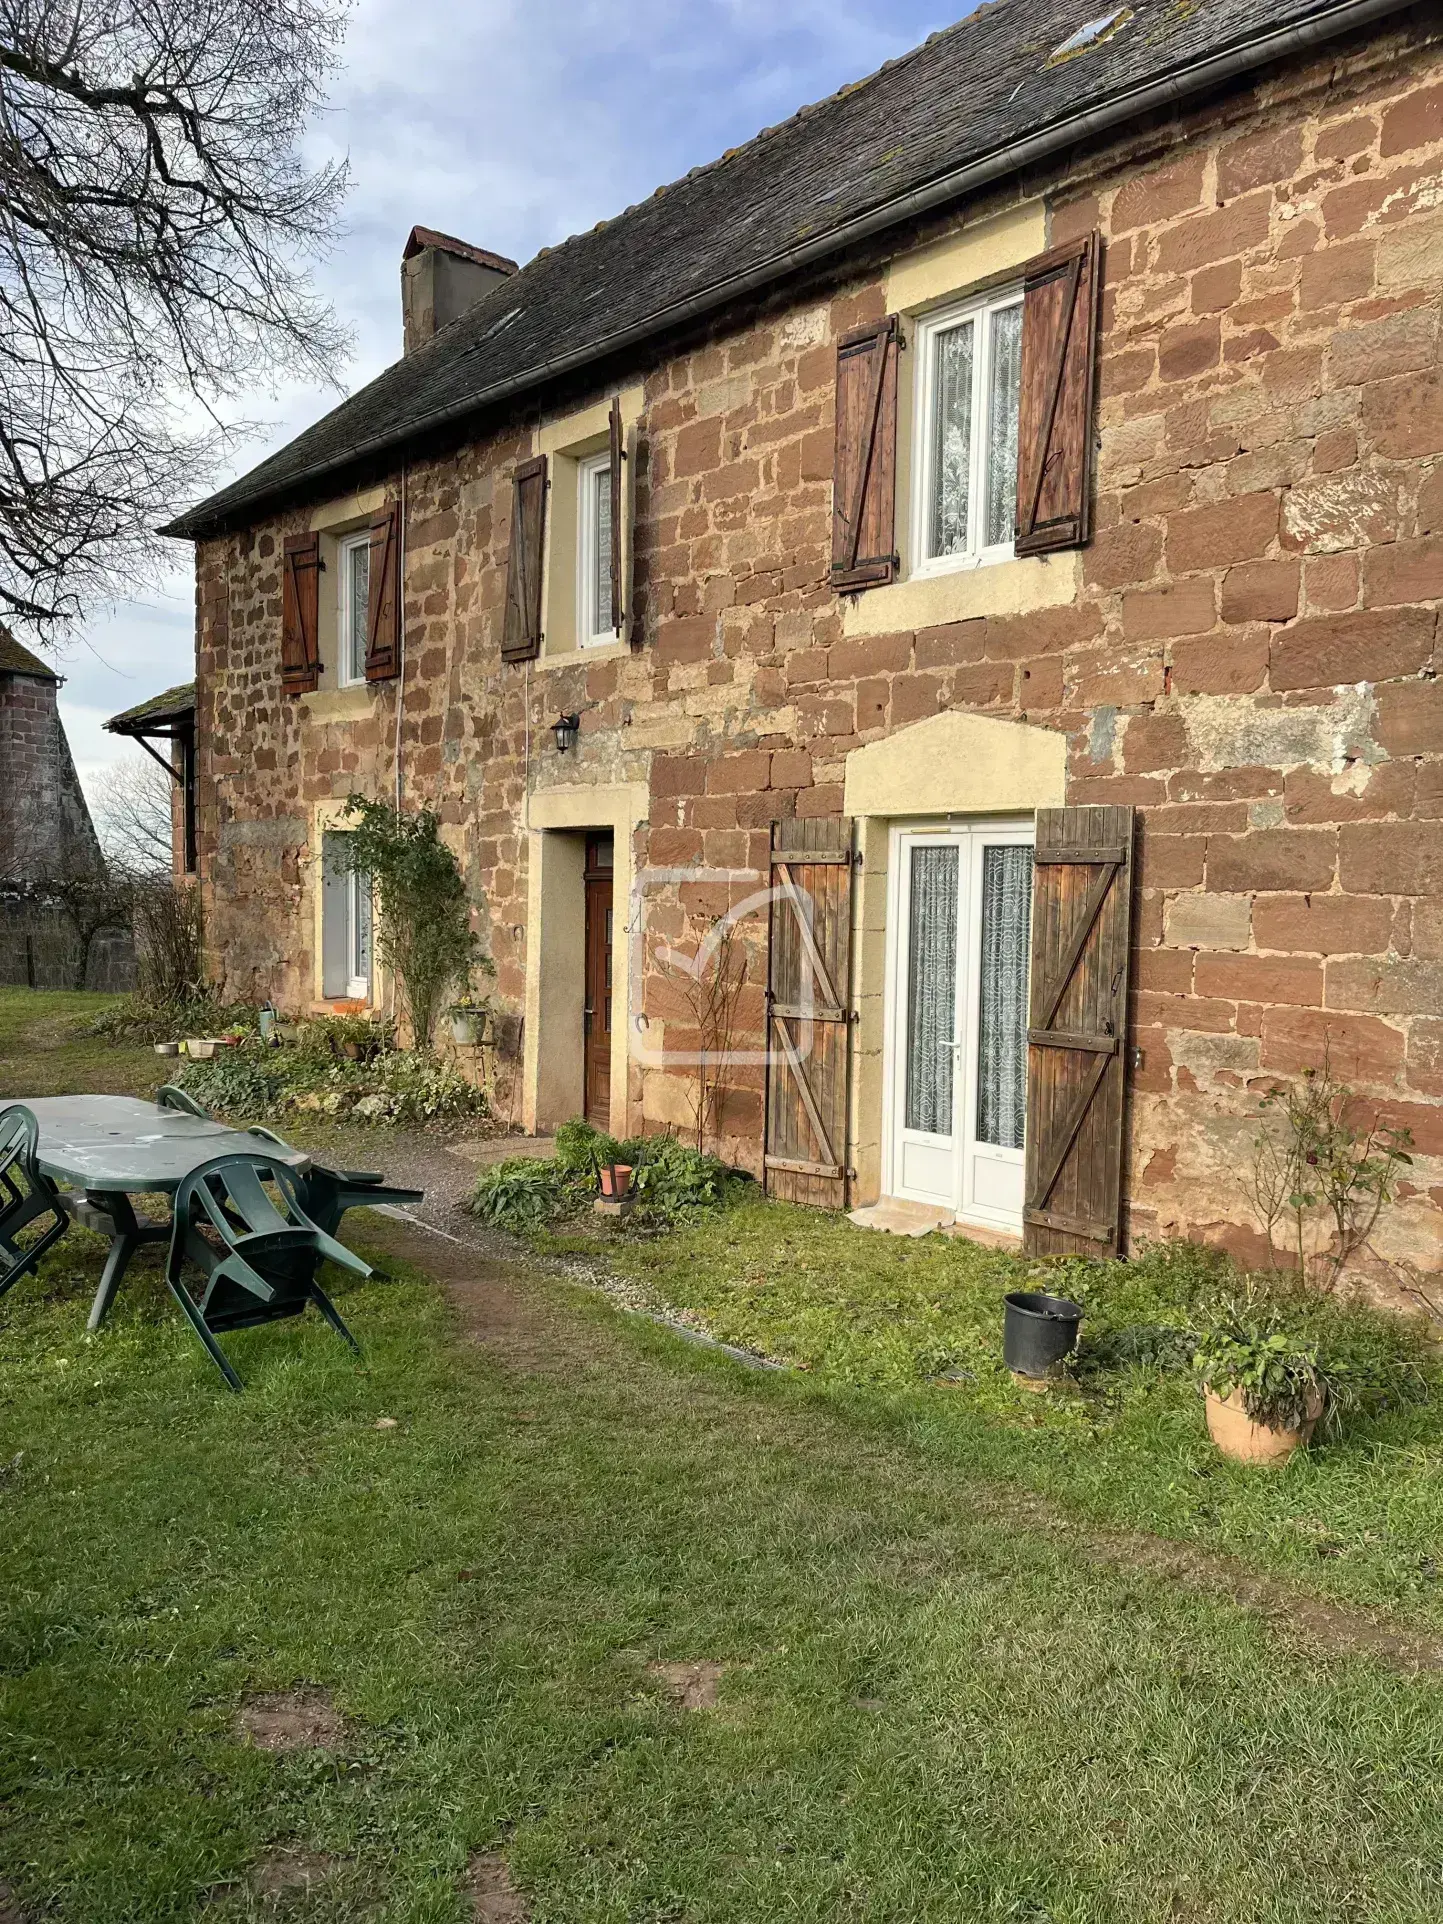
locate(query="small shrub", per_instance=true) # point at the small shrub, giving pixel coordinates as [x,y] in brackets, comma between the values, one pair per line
[522,1194]
[144,1018]
[581,1149]
[169,941]
[406,1086]
[671,1181]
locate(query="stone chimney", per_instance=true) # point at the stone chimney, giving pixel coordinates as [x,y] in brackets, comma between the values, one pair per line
[440,278]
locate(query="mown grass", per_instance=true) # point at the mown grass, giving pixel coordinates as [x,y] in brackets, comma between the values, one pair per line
[874,1318]
[930,1712]
[46,1048]
[932,1709]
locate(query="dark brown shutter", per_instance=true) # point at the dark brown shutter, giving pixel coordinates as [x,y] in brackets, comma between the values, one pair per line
[618,518]
[808,1022]
[1054,431]
[864,464]
[383,615]
[1076,1058]
[521,637]
[300,609]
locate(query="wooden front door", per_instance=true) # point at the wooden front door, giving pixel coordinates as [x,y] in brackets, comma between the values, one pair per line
[597,1043]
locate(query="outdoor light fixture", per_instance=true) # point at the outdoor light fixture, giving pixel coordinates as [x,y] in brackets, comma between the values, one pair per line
[566,728]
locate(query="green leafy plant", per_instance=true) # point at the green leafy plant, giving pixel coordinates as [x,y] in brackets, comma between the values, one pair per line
[1247,1348]
[146,1018]
[522,1194]
[424,932]
[672,1181]
[1321,1175]
[255,1082]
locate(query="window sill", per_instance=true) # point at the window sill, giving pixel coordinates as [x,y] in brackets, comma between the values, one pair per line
[997,588]
[352,703]
[568,658]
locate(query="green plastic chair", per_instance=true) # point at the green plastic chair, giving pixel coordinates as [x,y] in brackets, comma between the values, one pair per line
[258,1260]
[328,1193]
[26,1196]
[170,1096]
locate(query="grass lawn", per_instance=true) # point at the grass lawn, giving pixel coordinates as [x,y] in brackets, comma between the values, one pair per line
[873,1318]
[929,1707]
[45,1049]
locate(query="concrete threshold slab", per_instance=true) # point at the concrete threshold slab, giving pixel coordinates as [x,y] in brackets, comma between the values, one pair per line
[898,1218]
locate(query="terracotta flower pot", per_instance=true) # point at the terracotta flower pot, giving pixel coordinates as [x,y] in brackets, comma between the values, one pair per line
[1238,1436]
[615,1180]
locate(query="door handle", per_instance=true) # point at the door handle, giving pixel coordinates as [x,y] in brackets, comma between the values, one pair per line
[586,1015]
[951,1045]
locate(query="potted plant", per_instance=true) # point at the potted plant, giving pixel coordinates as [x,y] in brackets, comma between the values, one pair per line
[1264,1390]
[356,1037]
[468,1018]
[615,1180]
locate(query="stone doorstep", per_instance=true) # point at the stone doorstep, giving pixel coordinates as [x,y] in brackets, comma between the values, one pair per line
[486,1150]
[896,1217]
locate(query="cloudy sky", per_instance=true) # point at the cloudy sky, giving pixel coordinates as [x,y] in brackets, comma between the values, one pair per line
[511,123]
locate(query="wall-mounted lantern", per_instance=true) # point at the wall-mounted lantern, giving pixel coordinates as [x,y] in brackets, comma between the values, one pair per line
[566,728]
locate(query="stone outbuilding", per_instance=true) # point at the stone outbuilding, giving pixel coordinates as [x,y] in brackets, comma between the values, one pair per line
[50,855]
[923,635]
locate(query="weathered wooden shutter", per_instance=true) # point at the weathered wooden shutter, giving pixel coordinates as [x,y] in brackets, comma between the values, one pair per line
[1077,1053]
[383,616]
[521,637]
[864,463]
[808,1019]
[618,518]
[300,610]
[1054,432]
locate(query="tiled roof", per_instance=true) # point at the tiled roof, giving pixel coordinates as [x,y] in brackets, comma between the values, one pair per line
[15,660]
[175,704]
[976,101]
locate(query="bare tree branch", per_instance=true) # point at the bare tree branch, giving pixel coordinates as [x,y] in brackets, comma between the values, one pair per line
[134,800]
[156,215]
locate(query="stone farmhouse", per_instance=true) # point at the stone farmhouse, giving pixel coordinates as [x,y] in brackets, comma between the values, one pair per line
[981,542]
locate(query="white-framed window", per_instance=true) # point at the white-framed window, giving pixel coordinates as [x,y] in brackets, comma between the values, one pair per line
[964,450]
[353,578]
[345,925]
[594,623]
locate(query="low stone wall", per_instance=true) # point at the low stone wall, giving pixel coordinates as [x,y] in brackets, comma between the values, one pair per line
[40,948]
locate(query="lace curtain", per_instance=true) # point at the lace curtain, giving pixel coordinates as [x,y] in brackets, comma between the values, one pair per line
[1003,403]
[931,989]
[601,590]
[952,449]
[1002,999]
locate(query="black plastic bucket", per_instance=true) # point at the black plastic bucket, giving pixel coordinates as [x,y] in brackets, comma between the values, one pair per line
[1038,1331]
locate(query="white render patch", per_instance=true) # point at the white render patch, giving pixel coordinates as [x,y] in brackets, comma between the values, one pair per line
[1092,34]
[1335,737]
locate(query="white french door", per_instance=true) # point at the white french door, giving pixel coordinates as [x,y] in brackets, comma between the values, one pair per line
[959,923]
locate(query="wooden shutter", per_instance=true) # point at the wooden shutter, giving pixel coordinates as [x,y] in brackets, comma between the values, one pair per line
[1076,1058]
[864,462]
[521,637]
[1054,432]
[808,1020]
[383,615]
[300,609]
[618,518]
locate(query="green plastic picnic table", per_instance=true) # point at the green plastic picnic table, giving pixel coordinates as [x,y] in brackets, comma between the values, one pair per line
[111,1148]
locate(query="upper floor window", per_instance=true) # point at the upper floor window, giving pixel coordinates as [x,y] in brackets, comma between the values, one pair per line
[593,551]
[353,570]
[969,365]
